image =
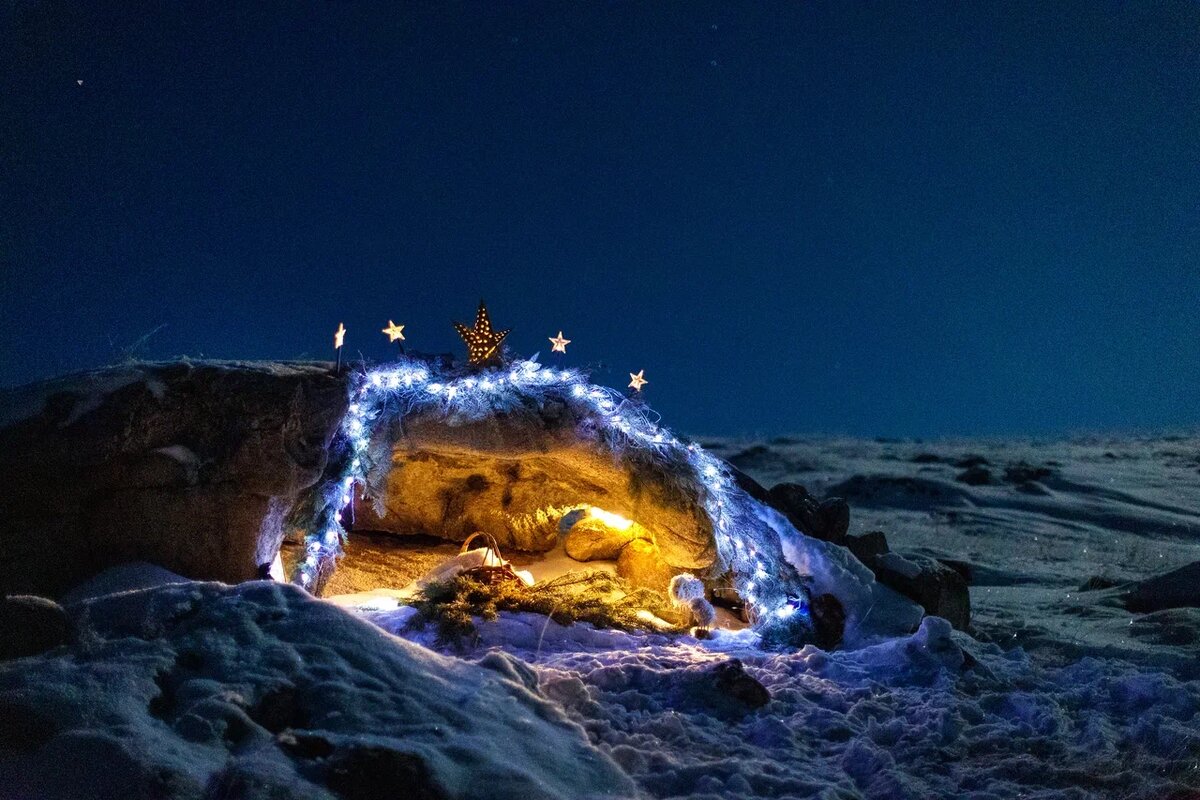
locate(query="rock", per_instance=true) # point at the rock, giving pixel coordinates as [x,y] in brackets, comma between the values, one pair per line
[834,517]
[642,565]
[366,772]
[749,485]
[868,546]
[31,625]
[516,475]
[1176,589]
[1098,583]
[1022,472]
[827,520]
[760,457]
[192,465]
[829,621]
[926,458]
[975,476]
[968,461]
[592,539]
[940,590]
[963,568]
[731,680]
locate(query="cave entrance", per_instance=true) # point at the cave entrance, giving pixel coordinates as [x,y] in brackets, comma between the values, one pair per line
[563,474]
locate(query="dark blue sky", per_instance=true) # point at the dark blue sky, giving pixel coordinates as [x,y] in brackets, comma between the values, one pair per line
[905,219]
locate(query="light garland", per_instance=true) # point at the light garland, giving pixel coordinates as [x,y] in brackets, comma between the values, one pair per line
[746,547]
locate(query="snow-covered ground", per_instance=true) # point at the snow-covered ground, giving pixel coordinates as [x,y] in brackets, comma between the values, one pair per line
[1060,693]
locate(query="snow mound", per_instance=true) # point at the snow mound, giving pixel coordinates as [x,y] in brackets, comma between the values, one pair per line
[204,690]
[934,714]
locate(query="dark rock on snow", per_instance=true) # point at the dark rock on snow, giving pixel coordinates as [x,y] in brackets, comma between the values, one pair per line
[868,546]
[968,461]
[829,621]
[731,680]
[1098,583]
[975,476]
[1024,473]
[939,589]
[31,625]
[363,772]
[749,485]
[1176,589]
[827,519]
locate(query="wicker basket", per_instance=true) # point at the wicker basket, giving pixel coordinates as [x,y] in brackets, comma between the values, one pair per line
[499,572]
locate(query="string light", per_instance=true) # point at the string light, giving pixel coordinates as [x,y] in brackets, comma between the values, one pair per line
[560,344]
[745,542]
[394,332]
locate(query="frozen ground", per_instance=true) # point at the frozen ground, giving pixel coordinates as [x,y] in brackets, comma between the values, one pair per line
[1054,515]
[1061,694]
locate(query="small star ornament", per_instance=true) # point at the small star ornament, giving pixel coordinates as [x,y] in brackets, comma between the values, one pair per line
[560,344]
[394,332]
[339,336]
[483,343]
[638,380]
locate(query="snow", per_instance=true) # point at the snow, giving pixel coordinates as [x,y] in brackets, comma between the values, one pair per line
[1061,694]
[92,387]
[934,714]
[1058,694]
[181,687]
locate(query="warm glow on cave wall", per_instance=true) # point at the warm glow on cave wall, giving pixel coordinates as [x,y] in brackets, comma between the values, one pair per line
[746,548]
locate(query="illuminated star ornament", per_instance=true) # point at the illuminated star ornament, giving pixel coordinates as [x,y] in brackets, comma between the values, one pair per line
[339,336]
[638,381]
[483,344]
[394,331]
[560,344]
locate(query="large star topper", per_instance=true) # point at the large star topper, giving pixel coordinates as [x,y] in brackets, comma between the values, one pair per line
[560,344]
[638,381]
[394,331]
[339,336]
[483,344]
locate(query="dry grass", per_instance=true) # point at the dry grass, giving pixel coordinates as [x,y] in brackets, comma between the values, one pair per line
[601,598]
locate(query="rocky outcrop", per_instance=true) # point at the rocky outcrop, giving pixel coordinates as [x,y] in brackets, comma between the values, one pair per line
[190,465]
[641,563]
[517,475]
[592,539]
[1176,589]
[939,589]
[31,625]
[827,519]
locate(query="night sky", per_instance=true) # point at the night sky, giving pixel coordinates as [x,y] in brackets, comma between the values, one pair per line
[904,220]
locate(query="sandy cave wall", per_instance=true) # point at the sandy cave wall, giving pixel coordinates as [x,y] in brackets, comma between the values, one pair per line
[513,475]
[190,465]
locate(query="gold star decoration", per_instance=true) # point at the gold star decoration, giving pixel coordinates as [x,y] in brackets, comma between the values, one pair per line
[483,344]
[394,331]
[560,344]
[638,381]
[339,336]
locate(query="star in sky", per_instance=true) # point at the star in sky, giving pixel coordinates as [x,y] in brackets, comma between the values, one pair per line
[394,331]
[560,344]
[339,336]
[483,344]
[638,381]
